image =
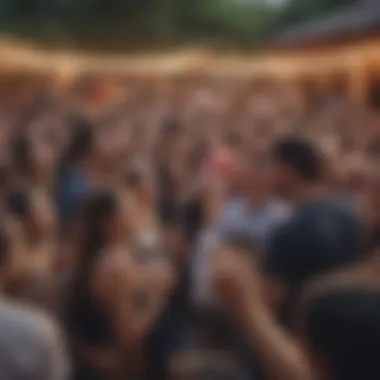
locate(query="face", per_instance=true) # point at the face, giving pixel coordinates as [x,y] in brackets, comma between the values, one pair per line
[283,179]
[258,178]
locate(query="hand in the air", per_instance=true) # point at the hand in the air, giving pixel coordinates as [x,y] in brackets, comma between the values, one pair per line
[235,280]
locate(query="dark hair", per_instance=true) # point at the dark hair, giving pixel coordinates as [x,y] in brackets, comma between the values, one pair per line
[301,155]
[192,218]
[4,247]
[5,173]
[95,213]
[21,154]
[18,203]
[344,327]
[81,141]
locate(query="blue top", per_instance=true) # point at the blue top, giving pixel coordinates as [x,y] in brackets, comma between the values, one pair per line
[73,185]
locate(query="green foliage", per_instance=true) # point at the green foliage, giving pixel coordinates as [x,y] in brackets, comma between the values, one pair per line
[130,23]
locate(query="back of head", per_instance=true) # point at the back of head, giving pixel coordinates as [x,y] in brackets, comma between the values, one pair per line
[300,155]
[344,329]
[30,346]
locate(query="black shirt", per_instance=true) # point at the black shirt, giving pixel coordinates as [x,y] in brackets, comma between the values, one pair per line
[322,235]
[343,326]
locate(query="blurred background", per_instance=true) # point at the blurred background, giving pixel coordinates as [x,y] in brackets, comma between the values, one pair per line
[174,174]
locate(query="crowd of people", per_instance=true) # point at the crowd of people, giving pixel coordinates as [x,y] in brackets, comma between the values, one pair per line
[185,229]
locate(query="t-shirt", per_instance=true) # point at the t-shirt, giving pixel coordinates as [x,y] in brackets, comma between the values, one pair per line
[322,235]
[251,229]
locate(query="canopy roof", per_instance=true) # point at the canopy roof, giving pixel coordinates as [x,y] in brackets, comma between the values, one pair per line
[352,19]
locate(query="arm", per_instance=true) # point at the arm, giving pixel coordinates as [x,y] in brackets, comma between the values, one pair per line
[126,289]
[277,350]
[283,264]
[155,284]
[239,287]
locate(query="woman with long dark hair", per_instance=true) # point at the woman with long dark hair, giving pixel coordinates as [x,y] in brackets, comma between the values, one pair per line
[90,322]
[112,304]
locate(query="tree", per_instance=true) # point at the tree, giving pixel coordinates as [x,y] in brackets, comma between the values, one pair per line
[130,23]
[297,11]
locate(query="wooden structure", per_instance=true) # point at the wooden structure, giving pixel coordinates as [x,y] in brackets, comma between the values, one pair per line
[339,53]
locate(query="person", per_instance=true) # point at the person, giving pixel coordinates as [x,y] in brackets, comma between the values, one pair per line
[31,345]
[115,299]
[336,320]
[250,219]
[140,186]
[33,213]
[88,321]
[155,258]
[372,211]
[322,234]
[31,157]
[342,328]
[73,177]
[238,285]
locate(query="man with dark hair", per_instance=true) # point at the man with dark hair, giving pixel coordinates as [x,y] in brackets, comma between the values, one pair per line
[323,234]
[342,326]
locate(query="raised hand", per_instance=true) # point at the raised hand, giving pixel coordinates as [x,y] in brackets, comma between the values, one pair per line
[235,280]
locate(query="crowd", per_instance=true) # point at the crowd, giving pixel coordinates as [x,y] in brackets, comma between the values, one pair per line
[184,229]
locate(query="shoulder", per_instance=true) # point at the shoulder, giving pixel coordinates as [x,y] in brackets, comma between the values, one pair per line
[29,334]
[24,315]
